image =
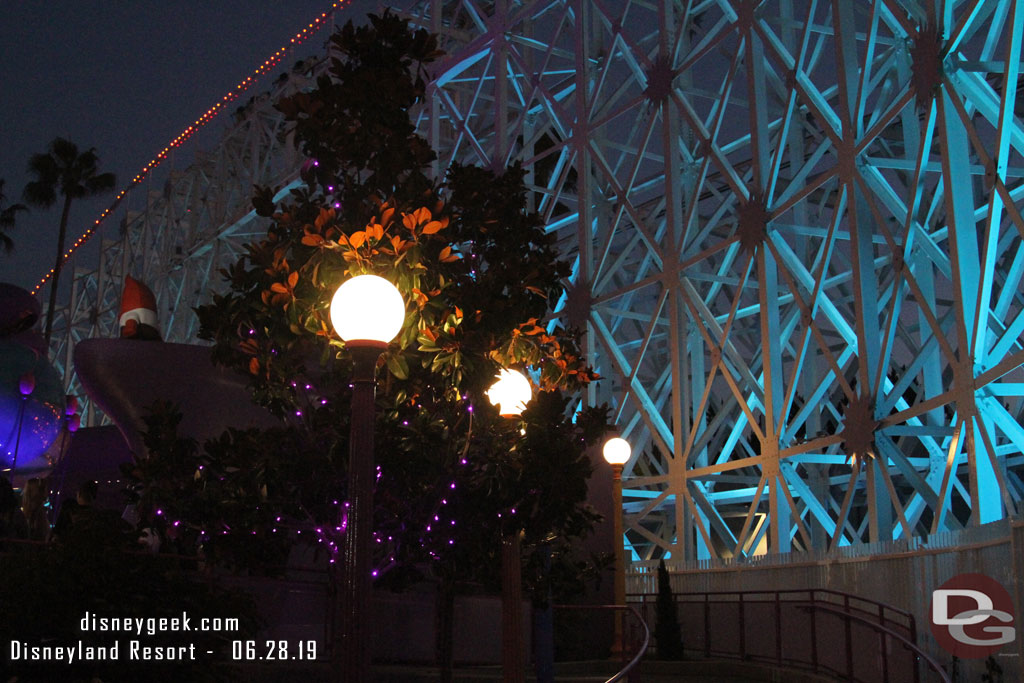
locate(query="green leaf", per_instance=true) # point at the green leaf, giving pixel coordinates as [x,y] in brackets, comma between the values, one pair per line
[398,366]
[427,343]
[440,361]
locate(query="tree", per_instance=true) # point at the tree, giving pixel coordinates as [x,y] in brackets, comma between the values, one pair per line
[667,635]
[66,172]
[8,217]
[480,276]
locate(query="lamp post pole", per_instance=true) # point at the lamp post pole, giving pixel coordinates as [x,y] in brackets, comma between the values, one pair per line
[352,643]
[616,452]
[620,561]
[512,650]
[511,393]
[367,312]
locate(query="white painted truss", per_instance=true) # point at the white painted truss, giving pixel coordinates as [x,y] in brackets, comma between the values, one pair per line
[797,242]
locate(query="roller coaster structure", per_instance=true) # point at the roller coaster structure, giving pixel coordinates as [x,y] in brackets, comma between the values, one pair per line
[796,236]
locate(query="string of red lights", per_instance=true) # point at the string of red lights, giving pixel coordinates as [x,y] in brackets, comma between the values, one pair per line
[207,116]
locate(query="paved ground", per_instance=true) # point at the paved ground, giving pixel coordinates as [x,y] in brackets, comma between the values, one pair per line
[599,672]
[695,671]
[466,677]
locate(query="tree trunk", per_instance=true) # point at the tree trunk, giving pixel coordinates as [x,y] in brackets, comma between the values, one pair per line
[445,633]
[513,655]
[544,627]
[61,235]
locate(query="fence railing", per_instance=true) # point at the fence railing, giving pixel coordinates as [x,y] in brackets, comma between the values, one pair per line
[642,574]
[828,632]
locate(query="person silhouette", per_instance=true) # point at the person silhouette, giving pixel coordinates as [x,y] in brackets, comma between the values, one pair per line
[33,501]
[12,522]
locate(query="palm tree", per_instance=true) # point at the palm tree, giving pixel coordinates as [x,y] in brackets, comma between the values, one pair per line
[7,219]
[63,171]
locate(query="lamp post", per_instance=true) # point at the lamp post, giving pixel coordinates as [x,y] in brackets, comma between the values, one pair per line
[616,453]
[511,393]
[26,385]
[367,312]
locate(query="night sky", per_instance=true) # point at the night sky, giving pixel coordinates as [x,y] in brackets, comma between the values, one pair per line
[126,78]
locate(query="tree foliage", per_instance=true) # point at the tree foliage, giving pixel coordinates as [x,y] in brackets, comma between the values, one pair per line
[8,218]
[63,171]
[480,277]
[667,633]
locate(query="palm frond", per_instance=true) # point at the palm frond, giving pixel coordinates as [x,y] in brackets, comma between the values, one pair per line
[8,217]
[101,183]
[40,193]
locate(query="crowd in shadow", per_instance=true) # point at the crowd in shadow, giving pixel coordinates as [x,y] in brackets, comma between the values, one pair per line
[62,559]
[29,517]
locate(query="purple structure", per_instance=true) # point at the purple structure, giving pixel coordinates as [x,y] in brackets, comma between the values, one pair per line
[125,377]
[31,391]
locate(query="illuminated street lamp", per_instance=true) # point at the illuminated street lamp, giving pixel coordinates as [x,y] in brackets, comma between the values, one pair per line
[511,393]
[616,452]
[367,312]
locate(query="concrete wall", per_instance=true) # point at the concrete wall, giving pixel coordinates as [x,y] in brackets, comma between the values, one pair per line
[404,626]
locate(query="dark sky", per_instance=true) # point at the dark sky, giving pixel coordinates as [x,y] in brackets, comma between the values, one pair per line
[126,78]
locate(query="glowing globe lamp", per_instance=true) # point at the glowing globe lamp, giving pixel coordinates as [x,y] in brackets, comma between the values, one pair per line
[510,393]
[367,310]
[31,408]
[617,451]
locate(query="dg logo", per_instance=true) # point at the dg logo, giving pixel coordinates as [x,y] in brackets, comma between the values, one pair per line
[972,616]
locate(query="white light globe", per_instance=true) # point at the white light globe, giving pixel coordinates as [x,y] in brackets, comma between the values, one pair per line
[367,308]
[510,393]
[617,451]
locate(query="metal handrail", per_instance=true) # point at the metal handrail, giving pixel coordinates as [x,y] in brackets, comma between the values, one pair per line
[787,591]
[640,652]
[884,620]
[907,643]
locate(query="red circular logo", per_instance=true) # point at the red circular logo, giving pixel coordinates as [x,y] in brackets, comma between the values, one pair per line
[972,616]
